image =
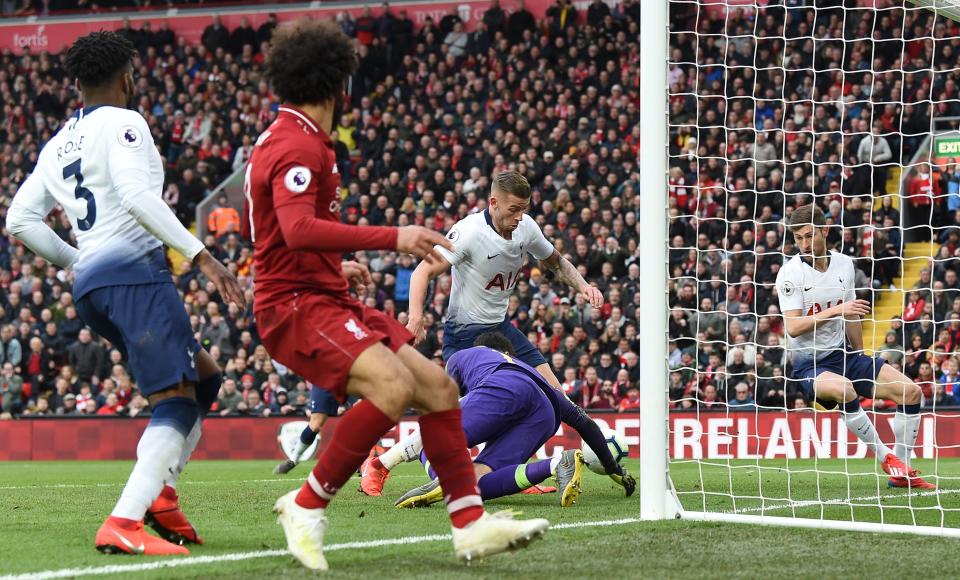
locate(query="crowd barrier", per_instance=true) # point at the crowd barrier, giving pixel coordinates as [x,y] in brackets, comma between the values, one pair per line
[104,438]
[703,435]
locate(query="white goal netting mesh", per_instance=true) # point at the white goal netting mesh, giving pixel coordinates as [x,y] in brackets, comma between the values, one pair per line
[853,106]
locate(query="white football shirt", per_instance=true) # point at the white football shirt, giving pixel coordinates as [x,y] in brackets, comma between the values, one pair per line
[80,168]
[486,267]
[801,287]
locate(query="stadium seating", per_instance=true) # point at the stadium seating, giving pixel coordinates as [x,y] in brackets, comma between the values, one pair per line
[759,122]
[424,133]
[575,136]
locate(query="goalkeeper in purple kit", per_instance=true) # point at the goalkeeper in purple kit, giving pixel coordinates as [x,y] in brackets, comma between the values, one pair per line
[511,408]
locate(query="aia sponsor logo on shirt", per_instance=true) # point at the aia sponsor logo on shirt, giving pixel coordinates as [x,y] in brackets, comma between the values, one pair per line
[503,284]
[816,308]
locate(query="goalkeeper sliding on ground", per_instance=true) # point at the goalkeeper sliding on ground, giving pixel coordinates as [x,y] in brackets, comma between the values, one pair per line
[825,339]
[511,408]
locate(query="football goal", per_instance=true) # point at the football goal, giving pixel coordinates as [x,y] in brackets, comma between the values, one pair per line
[751,110]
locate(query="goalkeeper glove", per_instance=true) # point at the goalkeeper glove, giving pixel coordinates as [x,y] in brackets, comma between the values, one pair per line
[624,479]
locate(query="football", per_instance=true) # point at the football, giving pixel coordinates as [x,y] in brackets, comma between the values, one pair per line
[616,444]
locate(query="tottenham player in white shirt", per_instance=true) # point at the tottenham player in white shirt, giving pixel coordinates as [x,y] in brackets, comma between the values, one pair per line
[490,249]
[825,341]
[104,170]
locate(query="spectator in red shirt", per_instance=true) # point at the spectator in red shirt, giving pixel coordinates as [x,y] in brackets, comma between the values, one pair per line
[111,407]
[922,193]
[604,397]
[914,309]
[926,379]
[631,401]
[366,27]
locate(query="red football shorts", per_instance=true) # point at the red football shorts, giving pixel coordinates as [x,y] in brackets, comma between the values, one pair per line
[320,336]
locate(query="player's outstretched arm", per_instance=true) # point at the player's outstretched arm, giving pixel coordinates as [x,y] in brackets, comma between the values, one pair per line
[302,230]
[419,281]
[569,275]
[798,324]
[25,220]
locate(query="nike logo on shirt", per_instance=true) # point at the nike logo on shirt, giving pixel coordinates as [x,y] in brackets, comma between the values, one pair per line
[492,257]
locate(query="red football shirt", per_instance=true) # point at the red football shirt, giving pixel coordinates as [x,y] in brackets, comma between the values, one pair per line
[292,195]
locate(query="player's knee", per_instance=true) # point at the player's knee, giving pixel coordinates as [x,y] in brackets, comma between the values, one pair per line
[848,393]
[449,391]
[912,394]
[835,389]
[395,393]
[443,394]
[317,420]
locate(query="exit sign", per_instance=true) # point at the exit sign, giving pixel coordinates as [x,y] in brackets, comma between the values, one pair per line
[947,146]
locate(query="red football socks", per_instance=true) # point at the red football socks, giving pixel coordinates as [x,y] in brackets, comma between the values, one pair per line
[356,432]
[446,447]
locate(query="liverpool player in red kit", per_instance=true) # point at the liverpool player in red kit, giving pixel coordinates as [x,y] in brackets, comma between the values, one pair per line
[309,322]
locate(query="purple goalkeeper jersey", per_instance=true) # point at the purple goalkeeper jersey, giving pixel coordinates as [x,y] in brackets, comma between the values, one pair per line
[480,366]
[511,386]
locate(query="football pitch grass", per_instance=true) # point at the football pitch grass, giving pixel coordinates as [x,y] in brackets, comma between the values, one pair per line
[51,510]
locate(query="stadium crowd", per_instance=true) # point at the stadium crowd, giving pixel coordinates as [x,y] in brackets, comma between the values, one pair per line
[435,112]
[779,107]
[757,126]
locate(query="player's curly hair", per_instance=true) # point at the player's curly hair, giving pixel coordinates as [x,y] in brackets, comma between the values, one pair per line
[497,341]
[97,58]
[309,61]
[513,183]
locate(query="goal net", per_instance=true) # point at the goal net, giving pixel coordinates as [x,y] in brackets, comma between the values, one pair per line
[851,106]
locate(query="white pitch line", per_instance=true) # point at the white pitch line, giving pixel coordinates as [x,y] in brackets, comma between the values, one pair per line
[239,556]
[842,501]
[186,484]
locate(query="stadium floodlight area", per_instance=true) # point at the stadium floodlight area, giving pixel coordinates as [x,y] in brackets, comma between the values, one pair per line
[766,106]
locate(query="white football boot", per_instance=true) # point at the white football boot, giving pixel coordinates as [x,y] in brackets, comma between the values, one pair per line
[495,533]
[304,529]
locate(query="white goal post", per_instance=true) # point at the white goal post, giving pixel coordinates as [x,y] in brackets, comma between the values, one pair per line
[656,498]
[816,493]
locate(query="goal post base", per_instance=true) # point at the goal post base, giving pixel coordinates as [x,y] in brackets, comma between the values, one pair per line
[669,508]
[820,524]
